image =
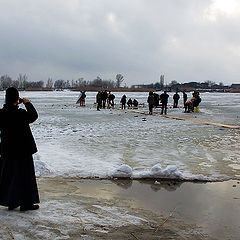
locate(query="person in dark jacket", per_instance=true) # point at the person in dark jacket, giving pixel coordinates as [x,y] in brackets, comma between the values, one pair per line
[156,99]
[164,100]
[129,103]
[135,103]
[175,99]
[184,101]
[104,98]
[111,99]
[123,101]
[99,100]
[18,186]
[151,102]
[196,101]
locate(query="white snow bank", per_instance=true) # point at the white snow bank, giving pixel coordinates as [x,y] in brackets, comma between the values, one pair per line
[41,168]
[157,172]
[124,171]
[170,172]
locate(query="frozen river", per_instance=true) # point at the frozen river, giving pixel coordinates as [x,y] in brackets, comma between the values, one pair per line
[82,142]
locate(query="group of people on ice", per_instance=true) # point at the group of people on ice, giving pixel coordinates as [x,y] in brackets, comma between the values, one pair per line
[189,105]
[154,99]
[104,98]
[131,103]
[192,104]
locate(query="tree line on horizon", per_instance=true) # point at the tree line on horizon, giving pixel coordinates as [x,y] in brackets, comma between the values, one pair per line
[22,83]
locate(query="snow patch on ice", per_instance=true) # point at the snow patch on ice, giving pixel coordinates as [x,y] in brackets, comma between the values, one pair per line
[157,172]
[41,168]
[170,172]
[124,171]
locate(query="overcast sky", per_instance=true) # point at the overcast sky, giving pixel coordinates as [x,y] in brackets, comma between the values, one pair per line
[185,40]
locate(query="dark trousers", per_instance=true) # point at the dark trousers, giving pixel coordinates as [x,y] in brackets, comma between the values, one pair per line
[99,106]
[175,103]
[150,109]
[164,108]
[104,103]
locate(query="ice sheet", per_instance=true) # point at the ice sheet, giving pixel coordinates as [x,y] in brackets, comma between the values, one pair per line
[82,142]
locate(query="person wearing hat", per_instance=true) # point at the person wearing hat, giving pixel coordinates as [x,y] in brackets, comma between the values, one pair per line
[18,186]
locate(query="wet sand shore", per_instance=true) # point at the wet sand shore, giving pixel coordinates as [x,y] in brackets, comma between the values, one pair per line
[124,209]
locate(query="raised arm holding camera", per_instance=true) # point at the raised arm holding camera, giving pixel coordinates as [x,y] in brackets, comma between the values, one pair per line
[18,186]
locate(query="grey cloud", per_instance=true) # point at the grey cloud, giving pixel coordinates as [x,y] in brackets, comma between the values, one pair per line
[141,39]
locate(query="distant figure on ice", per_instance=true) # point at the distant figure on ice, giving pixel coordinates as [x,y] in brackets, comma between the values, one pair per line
[81,98]
[104,98]
[175,99]
[18,186]
[123,101]
[108,102]
[196,101]
[151,102]
[129,102]
[184,101]
[156,99]
[82,103]
[135,103]
[99,100]
[111,100]
[164,100]
[188,106]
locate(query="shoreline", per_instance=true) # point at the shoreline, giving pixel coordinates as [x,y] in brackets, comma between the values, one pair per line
[122,90]
[73,208]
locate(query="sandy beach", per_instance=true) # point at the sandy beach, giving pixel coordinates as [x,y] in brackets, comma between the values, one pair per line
[125,209]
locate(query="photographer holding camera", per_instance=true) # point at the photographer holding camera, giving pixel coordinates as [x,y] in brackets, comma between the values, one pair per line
[18,186]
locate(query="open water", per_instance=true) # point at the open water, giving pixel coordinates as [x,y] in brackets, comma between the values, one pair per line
[81,142]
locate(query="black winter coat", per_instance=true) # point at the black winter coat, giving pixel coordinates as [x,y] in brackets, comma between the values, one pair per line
[18,185]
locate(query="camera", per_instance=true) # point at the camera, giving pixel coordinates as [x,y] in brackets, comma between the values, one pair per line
[20,100]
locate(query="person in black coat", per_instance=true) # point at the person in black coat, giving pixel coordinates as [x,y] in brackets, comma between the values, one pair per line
[99,100]
[151,102]
[18,186]
[184,101]
[129,102]
[135,103]
[164,100]
[123,101]
[104,98]
[175,99]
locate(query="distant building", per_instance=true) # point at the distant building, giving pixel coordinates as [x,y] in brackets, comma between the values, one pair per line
[235,86]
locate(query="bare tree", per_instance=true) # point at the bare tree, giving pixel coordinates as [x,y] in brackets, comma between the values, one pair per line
[22,80]
[49,83]
[15,83]
[119,80]
[98,82]
[59,84]
[210,83]
[173,82]
[5,81]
